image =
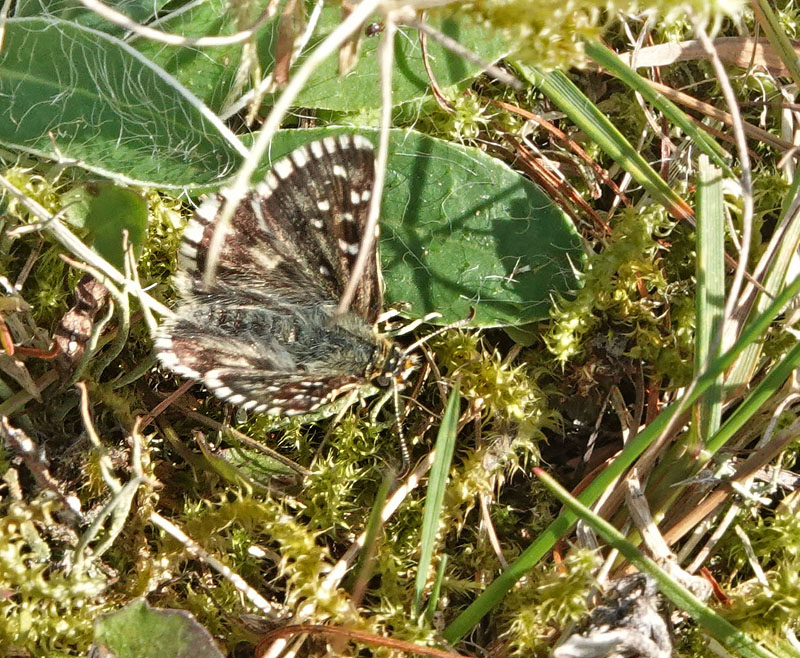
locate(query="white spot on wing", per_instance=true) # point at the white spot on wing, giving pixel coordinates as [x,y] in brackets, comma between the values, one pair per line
[365,195]
[263,190]
[344,140]
[361,143]
[339,171]
[324,205]
[271,181]
[207,211]
[283,168]
[348,247]
[355,197]
[266,260]
[317,223]
[300,157]
[330,145]
[316,149]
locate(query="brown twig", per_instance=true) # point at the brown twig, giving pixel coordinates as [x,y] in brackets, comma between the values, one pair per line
[355,635]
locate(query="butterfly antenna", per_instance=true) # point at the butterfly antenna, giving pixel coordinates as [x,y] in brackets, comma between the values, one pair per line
[441,330]
[400,435]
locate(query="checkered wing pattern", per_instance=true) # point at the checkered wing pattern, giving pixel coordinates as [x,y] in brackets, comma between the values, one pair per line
[296,235]
[264,334]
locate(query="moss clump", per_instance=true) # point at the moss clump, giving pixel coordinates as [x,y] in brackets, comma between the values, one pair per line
[44,607]
[625,286]
[553,596]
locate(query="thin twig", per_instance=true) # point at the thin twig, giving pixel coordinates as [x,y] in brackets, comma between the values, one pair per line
[336,574]
[241,183]
[355,635]
[747,180]
[451,44]
[266,84]
[3,19]
[73,244]
[194,549]
[117,18]
[370,235]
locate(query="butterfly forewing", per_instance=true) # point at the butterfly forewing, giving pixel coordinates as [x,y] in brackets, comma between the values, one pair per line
[264,334]
[298,232]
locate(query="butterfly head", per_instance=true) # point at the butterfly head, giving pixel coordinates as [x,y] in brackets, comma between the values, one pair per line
[393,367]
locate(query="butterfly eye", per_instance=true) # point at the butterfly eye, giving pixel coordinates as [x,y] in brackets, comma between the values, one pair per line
[383,381]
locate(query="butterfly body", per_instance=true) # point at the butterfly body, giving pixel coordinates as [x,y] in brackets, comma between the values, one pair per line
[265,334]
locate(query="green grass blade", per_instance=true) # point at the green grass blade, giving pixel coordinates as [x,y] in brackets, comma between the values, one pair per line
[445,445]
[606,58]
[710,299]
[770,23]
[539,548]
[430,609]
[588,117]
[365,564]
[719,628]
[742,371]
[766,389]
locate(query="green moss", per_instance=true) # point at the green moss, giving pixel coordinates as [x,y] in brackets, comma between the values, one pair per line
[625,286]
[46,606]
[552,596]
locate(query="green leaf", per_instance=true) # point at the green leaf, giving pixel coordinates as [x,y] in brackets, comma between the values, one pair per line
[461,229]
[710,301]
[74,93]
[440,469]
[112,211]
[360,89]
[209,73]
[139,631]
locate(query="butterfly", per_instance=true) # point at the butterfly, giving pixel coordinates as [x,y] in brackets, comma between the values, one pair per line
[265,334]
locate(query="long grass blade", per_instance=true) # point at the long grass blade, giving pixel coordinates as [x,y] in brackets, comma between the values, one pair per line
[606,58]
[445,446]
[710,300]
[719,628]
[588,117]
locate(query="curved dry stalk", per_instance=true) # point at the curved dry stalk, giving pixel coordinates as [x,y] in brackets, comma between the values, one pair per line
[146,32]
[241,182]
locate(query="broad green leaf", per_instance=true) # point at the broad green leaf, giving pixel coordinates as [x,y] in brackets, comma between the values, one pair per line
[113,210]
[74,93]
[360,89]
[139,631]
[209,73]
[462,230]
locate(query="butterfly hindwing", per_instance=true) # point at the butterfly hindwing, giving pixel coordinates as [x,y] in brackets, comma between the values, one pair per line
[236,372]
